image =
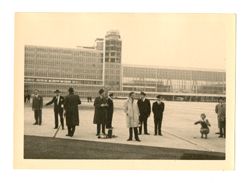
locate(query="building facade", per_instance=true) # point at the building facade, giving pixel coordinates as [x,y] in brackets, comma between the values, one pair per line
[113,66]
[155,79]
[87,69]
[50,68]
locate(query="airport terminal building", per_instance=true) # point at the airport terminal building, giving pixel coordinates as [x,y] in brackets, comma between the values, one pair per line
[87,69]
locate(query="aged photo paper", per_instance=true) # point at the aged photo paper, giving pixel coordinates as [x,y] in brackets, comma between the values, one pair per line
[82,79]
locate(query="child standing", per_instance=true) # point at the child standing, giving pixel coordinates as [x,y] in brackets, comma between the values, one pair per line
[204,125]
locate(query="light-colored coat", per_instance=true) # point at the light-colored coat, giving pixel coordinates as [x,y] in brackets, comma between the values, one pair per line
[132,113]
[220,109]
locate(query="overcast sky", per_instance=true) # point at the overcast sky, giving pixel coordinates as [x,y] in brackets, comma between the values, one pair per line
[176,40]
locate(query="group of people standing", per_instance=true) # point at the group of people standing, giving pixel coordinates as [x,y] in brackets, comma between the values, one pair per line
[63,106]
[137,113]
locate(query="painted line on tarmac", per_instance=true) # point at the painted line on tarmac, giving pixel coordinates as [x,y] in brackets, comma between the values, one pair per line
[57,130]
[189,141]
[186,140]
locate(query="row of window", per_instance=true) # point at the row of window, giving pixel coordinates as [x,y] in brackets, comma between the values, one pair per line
[113,42]
[50,53]
[42,80]
[113,60]
[118,54]
[174,74]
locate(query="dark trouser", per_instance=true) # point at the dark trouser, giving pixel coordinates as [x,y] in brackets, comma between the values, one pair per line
[109,127]
[71,130]
[60,113]
[38,116]
[131,133]
[158,123]
[222,129]
[99,128]
[144,122]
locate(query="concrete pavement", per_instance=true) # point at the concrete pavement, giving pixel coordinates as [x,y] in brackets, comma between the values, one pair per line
[178,126]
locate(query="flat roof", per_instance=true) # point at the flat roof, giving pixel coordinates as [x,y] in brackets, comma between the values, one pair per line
[172,68]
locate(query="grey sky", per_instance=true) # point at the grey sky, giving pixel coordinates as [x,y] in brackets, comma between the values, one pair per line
[179,40]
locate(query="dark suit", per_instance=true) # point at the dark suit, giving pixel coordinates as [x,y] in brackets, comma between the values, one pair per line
[37,105]
[100,116]
[110,111]
[220,109]
[71,103]
[58,109]
[158,109]
[144,110]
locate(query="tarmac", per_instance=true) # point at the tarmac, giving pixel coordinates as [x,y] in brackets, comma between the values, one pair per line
[179,131]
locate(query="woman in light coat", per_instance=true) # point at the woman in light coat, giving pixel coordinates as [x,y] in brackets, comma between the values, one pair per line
[132,115]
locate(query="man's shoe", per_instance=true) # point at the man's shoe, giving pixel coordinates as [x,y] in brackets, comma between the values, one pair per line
[55,127]
[146,133]
[67,135]
[138,140]
[129,139]
[35,123]
[160,134]
[221,136]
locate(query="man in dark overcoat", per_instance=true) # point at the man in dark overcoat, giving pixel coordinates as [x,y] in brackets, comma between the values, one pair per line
[110,111]
[71,103]
[144,110]
[100,116]
[158,109]
[58,101]
[37,105]
[220,110]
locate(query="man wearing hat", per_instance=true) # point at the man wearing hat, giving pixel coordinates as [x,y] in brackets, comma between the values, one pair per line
[158,109]
[71,103]
[58,101]
[144,110]
[100,116]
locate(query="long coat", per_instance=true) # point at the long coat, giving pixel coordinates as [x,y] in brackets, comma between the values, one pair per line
[158,110]
[110,111]
[220,109]
[71,103]
[144,109]
[132,113]
[37,102]
[100,116]
[57,106]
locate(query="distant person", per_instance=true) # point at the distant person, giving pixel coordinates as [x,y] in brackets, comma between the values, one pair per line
[158,109]
[58,102]
[28,98]
[144,110]
[71,103]
[132,114]
[220,110]
[204,130]
[37,105]
[110,111]
[100,116]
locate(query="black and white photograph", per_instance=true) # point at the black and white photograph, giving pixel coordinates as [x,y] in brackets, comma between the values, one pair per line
[147,87]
